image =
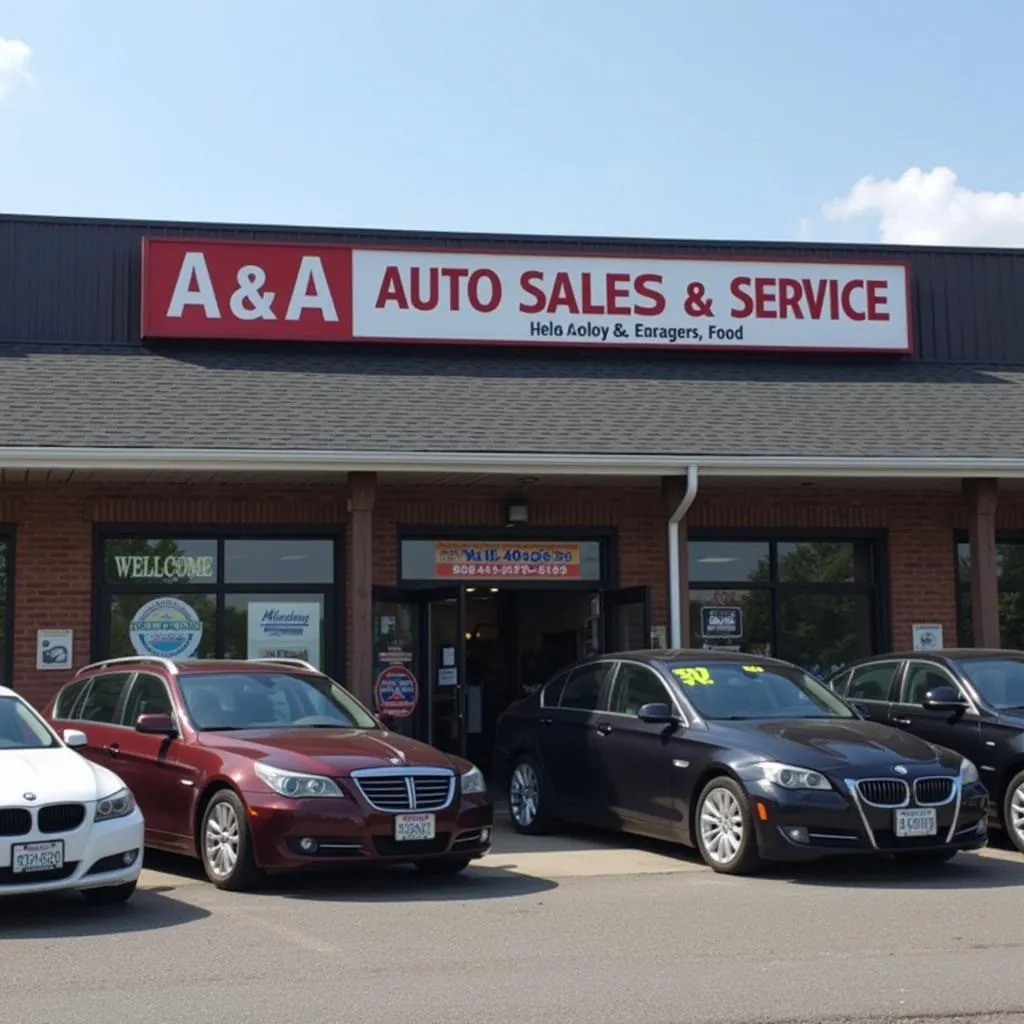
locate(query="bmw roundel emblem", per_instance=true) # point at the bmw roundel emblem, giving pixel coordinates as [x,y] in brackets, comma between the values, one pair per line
[899,769]
[28,796]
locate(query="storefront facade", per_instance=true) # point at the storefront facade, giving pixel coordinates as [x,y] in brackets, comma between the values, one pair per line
[439,468]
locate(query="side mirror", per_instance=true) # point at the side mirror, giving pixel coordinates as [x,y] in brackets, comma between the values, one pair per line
[944,698]
[657,713]
[156,725]
[75,738]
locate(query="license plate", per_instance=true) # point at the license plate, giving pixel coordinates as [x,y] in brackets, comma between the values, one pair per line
[29,857]
[412,827]
[912,822]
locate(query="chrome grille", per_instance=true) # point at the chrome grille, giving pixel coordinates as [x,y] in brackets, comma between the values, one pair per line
[15,821]
[61,817]
[406,791]
[932,792]
[884,792]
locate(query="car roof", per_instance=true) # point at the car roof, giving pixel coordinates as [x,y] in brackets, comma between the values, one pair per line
[186,666]
[692,654]
[952,653]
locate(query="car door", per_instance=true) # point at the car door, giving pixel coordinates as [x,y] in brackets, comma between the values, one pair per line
[97,713]
[871,689]
[958,731]
[156,768]
[567,735]
[635,758]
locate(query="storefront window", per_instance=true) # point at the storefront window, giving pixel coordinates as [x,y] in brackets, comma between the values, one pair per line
[212,597]
[1010,575]
[4,607]
[812,602]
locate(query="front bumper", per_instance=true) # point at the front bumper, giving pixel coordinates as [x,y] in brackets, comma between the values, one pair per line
[347,831]
[95,857]
[802,825]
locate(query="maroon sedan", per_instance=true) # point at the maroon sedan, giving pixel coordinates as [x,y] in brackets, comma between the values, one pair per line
[266,766]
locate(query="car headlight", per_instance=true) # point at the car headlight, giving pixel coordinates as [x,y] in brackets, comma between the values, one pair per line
[789,777]
[473,781]
[117,805]
[968,772]
[297,784]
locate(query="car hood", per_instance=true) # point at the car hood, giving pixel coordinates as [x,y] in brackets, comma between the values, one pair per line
[53,775]
[329,751]
[833,744]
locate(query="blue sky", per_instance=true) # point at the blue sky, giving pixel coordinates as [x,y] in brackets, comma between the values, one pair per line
[728,119]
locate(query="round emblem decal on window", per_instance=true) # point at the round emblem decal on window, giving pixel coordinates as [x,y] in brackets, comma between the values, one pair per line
[166,628]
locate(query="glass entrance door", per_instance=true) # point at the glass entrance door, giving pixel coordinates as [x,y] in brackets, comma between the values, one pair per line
[419,663]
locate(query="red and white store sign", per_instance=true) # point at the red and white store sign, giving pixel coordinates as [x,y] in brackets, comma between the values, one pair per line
[299,292]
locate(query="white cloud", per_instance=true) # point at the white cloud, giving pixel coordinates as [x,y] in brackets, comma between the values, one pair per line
[930,208]
[14,60]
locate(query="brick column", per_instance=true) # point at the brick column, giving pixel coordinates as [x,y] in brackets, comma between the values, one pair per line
[982,498]
[362,489]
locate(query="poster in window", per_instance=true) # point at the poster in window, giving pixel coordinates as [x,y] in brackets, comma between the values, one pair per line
[284,629]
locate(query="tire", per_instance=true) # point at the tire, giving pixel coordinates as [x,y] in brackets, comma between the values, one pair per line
[110,894]
[444,867]
[225,845]
[932,858]
[1013,811]
[528,798]
[724,829]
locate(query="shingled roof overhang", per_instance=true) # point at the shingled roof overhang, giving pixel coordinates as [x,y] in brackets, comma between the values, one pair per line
[347,408]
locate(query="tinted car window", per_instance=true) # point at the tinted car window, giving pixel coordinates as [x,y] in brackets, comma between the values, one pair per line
[838,683]
[635,686]
[149,696]
[582,691]
[65,705]
[922,677]
[999,681]
[872,682]
[102,700]
[270,700]
[734,690]
[552,692]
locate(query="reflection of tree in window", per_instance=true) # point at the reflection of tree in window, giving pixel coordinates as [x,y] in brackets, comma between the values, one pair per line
[1010,575]
[140,547]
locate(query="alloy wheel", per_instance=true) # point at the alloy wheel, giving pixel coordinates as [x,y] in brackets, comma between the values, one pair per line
[222,840]
[524,795]
[1016,815]
[721,826]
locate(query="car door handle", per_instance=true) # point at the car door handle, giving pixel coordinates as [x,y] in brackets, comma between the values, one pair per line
[603,729]
[113,749]
[900,721]
[544,721]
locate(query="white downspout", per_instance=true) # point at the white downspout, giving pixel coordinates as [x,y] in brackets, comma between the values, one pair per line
[675,596]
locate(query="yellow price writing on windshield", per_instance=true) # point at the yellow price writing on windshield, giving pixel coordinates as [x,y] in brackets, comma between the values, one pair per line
[693,676]
[753,668]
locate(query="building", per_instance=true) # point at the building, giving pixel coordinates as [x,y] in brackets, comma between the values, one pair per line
[441,465]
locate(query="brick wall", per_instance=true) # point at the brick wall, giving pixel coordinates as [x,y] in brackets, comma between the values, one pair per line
[54,530]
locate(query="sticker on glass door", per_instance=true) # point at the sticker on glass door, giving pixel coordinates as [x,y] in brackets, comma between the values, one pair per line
[284,630]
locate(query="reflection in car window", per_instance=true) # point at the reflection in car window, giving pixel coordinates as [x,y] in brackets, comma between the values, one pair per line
[635,686]
[64,708]
[552,692]
[999,681]
[101,701]
[872,682]
[582,692]
[922,677]
[21,728]
[270,700]
[734,690]
[149,696]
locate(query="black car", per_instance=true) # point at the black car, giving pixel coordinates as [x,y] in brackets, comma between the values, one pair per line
[970,700]
[746,758]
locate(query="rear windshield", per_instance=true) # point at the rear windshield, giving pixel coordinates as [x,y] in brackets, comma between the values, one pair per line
[222,701]
[21,728]
[726,689]
[999,681]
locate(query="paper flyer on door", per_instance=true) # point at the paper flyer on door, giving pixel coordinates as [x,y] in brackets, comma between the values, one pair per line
[280,629]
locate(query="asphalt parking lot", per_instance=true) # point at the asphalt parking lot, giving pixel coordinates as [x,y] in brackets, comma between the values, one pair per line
[580,928]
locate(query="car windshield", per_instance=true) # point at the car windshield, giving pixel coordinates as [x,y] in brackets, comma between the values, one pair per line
[734,690]
[222,701]
[21,728]
[999,681]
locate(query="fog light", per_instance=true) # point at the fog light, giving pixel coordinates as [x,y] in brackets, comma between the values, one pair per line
[129,857]
[308,845]
[485,835]
[798,835]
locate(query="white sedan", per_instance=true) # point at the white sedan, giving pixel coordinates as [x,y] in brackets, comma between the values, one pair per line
[65,823]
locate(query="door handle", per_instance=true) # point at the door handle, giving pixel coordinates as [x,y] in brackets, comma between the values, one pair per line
[544,721]
[113,749]
[900,721]
[603,729]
